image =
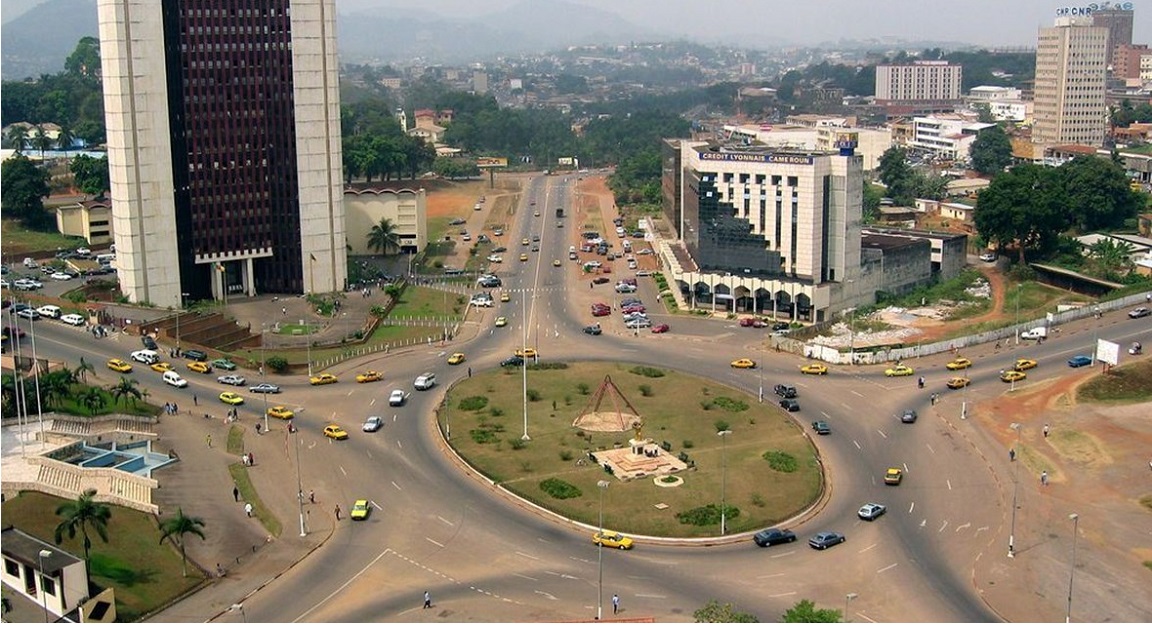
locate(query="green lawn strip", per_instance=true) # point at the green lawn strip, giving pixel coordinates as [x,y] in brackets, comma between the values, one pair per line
[18,240]
[490,439]
[144,573]
[1122,385]
[424,302]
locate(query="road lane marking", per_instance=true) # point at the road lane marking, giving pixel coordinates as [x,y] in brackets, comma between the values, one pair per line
[943,526]
[868,548]
[771,575]
[858,447]
[781,595]
[882,434]
[653,596]
[396,486]
[521,553]
[963,527]
[923,523]
[911,507]
[846,406]
[891,566]
[825,414]
[445,521]
[373,403]
[434,542]
[521,575]
[547,595]
[856,393]
[930,449]
[949,483]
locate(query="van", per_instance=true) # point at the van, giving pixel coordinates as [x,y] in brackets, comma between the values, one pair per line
[425,381]
[1035,334]
[174,379]
[29,263]
[147,356]
[49,310]
[105,258]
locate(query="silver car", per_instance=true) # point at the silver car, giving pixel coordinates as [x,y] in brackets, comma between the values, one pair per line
[373,424]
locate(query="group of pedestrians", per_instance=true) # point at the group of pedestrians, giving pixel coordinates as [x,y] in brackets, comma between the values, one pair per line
[171,409]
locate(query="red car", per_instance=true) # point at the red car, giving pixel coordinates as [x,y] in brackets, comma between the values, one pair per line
[660,328]
[634,308]
[753,322]
[601,312]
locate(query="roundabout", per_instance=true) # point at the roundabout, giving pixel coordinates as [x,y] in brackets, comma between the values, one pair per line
[634,426]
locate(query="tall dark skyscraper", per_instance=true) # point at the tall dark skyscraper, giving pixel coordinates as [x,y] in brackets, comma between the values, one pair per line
[223,122]
[1117,18]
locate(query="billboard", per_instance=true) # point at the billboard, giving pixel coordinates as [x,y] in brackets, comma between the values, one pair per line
[565,161]
[489,163]
[1108,352]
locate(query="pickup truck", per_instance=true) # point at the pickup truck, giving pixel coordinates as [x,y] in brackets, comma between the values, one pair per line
[1035,334]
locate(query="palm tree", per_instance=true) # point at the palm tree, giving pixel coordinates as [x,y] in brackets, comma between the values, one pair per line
[383,237]
[175,528]
[41,140]
[83,368]
[82,513]
[65,139]
[18,138]
[126,388]
[55,385]
[93,399]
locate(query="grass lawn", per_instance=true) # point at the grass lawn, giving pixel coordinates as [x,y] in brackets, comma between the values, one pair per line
[144,573]
[425,302]
[1122,385]
[18,240]
[674,412]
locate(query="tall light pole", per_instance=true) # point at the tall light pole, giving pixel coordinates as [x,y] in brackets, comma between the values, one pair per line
[299,482]
[723,479]
[1072,570]
[179,312]
[1015,487]
[603,484]
[848,598]
[309,336]
[263,331]
[44,553]
[524,365]
[36,378]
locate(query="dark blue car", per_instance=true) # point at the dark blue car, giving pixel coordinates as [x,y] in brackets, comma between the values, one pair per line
[1079,361]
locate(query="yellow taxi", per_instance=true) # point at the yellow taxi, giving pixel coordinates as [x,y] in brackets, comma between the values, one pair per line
[199,367]
[612,539]
[899,370]
[369,376]
[505,297]
[501,321]
[744,363]
[119,365]
[524,242]
[523,257]
[456,358]
[959,382]
[323,378]
[959,363]
[161,367]
[526,352]
[1013,375]
[1024,363]
[283,413]
[893,476]
[230,397]
[335,432]
[555,263]
[814,369]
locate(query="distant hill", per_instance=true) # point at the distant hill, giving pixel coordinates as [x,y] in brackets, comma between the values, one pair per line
[41,38]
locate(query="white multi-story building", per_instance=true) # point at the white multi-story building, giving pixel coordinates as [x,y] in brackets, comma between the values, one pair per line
[871,143]
[988,93]
[949,138]
[1071,78]
[223,121]
[1011,110]
[922,81]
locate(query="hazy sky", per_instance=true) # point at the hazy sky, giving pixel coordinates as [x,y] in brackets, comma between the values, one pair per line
[982,22]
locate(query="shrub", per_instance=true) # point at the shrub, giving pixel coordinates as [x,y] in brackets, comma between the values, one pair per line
[496,411]
[782,462]
[483,436]
[721,426]
[517,444]
[648,372]
[544,366]
[472,403]
[706,404]
[708,514]
[533,395]
[730,404]
[566,455]
[560,489]
[687,444]
[582,388]
[277,364]
[645,390]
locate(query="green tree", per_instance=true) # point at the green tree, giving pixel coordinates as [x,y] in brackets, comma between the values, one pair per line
[23,186]
[93,400]
[178,526]
[41,141]
[84,60]
[897,176]
[1111,257]
[17,138]
[83,369]
[991,151]
[382,237]
[1099,193]
[65,139]
[716,612]
[985,114]
[806,611]
[126,388]
[91,175]
[1025,208]
[871,196]
[82,513]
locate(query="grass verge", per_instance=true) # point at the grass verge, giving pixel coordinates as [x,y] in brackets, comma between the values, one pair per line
[1122,385]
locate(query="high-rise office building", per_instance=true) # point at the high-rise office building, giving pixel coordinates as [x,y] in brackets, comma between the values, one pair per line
[223,121]
[1071,78]
[1117,19]
[926,81]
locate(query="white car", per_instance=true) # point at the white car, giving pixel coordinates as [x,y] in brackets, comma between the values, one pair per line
[74,319]
[397,398]
[29,314]
[988,257]
[373,424]
[26,284]
[639,323]
[495,258]
[592,264]
[232,379]
[60,275]
[481,301]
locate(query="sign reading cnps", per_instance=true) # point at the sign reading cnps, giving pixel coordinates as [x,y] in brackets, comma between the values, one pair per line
[771,158]
[489,163]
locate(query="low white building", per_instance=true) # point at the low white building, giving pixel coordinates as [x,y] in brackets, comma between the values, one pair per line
[991,93]
[948,137]
[1011,110]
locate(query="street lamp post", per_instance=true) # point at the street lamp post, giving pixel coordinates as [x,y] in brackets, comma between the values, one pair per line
[603,484]
[848,598]
[44,553]
[524,364]
[1075,518]
[263,337]
[179,312]
[1018,285]
[36,378]
[1015,488]
[723,479]
[240,608]
[299,481]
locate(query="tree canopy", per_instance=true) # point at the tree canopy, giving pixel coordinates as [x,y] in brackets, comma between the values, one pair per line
[806,611]
[991,151]
[91,174]
[23,186]
[1024,208]
[716,612]
[1099,193]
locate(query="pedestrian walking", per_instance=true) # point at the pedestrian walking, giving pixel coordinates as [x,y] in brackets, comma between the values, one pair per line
[615,604]
[337,513]
[1046,429]
[1044,478]
[284,310]
[469,372]
[209,439]
[427,600]
[1012,455]
[244,459]
[251,459]
[175,408]
[195,401]
[248,509]
[236,494]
